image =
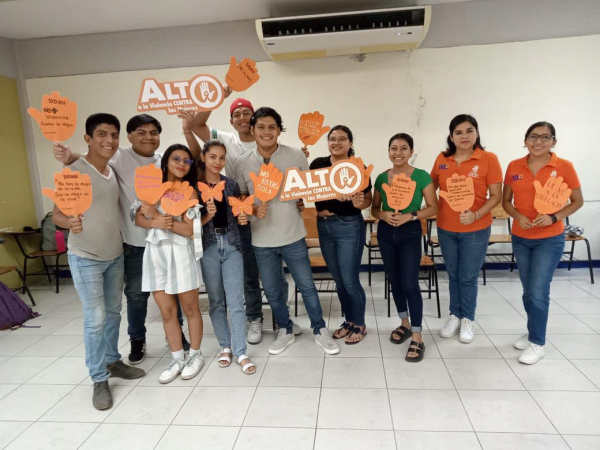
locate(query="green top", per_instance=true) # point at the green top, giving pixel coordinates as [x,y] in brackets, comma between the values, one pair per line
[422,179]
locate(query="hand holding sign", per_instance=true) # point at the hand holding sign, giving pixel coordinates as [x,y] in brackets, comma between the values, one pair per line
[267,182]
[366,173]
[400,193]
[461,193]
[73,192]
[310,127]
[215,192]
[243,75]
[178,199]
[241,206]
[58,117]
[149,186]
[551,197]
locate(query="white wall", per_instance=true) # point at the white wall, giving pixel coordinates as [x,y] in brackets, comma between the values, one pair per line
[505,86]
[8,63]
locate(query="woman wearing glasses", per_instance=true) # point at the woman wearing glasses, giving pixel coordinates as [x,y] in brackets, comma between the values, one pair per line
[342,239]
[537,237]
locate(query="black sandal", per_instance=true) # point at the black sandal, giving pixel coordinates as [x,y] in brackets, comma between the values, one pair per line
[356,330]
[344,326]
[418,348]
[402,331]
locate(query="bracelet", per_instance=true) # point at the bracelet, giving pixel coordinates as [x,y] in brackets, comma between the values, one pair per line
[553,217]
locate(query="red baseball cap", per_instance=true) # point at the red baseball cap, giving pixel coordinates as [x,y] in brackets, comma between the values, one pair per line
[240,103]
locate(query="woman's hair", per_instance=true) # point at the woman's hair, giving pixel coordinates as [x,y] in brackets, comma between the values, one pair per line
[541,124]
[346,130]
[206,147]
[192,175]
[409,140]
[462,118]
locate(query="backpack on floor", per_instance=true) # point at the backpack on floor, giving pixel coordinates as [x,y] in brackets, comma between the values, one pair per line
[13,311]
[53,238]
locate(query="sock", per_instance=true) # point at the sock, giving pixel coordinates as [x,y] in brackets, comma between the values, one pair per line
[179,356]
[195,352]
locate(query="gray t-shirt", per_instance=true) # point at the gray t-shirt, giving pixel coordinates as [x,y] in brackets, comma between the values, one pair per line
[100,239]
[284,224]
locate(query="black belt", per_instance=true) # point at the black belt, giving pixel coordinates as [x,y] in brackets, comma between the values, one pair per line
[222,230]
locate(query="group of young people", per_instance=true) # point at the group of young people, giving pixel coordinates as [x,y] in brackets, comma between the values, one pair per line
[123,241]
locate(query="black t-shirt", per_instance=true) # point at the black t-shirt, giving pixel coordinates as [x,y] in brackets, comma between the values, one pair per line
[220,218]
[335,206]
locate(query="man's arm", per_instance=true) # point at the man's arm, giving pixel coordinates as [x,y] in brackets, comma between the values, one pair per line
[60,219]
[187,118]
[64,154]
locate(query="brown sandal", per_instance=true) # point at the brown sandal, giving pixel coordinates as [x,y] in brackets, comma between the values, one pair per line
[415,347]
[403,333]
[337,334]
[358,331]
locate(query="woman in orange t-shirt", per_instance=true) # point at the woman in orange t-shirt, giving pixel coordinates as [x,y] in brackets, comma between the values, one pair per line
[536,196]
[464,235]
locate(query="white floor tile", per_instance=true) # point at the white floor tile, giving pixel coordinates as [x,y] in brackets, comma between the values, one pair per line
[53,346]
[494,374]
[354,373]
[19,369]
[216,406]
[571,412]
[10,430]
[46,325]
[16,342]
[293,372]
[251,438]
[582,442]
[516,441]
[268,407]
[232,375]
[551,375]
[567,325]
[62,371]
[577,346]
[213,438]
[130,437]
[46,435]
[504,344]
[589,305]
[424,440]
[391,350]
[590,368]
[361,409]
[592,321]
[427,374]
[30,402]
[369,347]
[504,324]
[366,439]
[151,378]
[480,348]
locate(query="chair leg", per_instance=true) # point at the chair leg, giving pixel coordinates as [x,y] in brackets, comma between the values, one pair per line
[56,273]
[571,254]
[25,287]
[512,262]
[296,301]
[484,274]
[589,252]
[437,293]
[47,270]
[388,295]
[369,265]
[24,273]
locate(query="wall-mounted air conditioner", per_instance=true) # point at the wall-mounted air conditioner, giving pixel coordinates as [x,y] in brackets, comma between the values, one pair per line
[318,36]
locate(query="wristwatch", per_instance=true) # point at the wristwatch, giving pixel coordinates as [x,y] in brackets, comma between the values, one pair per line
[414,215]
[553,217]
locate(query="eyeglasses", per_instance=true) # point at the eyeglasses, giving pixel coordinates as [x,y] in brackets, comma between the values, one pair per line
[543,137]
[341,140]
[179,160]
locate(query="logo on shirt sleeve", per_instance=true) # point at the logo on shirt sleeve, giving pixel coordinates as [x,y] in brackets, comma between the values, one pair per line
[517,177]
[444,166]
[553,174]
[474,172]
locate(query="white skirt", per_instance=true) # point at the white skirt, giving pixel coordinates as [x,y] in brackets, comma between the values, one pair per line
[170,268]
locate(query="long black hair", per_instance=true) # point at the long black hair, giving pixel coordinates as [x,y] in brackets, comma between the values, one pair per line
[192,175]
[346,130]
[462,118]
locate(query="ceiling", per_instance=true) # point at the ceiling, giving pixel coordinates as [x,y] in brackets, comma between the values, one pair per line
[28,19]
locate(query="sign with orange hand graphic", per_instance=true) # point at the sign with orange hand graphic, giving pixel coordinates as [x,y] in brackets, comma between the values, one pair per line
[460,194]
[149,186]
[310,127]
[552,197]
[400,193]
[215,192]
[267,182]
[178,199]
[366,172]
[57,118]
[242,75]
[201,93]
[72,192]
[241,206]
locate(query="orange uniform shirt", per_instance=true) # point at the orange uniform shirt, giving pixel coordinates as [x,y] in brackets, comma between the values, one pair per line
[520,179]
[485,170]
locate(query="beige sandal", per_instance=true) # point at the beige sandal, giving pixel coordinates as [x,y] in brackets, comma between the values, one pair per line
[246,368]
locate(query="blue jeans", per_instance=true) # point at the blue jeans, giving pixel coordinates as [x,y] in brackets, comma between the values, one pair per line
[222,265]
[342,239]
[137,300]
[100,288]
[295,256]
[464,254]
[537,260]
[401,253]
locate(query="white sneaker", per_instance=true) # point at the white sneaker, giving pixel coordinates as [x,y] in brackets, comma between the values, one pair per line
[296,329]
[192,366]
[171,372]
[282,342]
[522,343]
[326,342]
[466,331]
[451,327]
[532,354]
[255,331]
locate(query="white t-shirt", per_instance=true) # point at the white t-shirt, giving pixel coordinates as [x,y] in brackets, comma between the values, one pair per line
[124,163]
[234,147]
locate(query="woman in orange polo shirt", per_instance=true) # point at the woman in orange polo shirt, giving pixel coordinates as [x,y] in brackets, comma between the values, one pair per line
[535,183]
[464,235]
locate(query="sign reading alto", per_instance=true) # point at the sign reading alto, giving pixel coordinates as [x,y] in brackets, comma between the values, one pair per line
[343,178]
[201,93]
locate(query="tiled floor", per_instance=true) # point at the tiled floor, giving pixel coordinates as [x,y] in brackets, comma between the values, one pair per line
[460,397]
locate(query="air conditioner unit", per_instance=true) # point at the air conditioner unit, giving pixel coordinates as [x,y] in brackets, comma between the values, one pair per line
[318,36]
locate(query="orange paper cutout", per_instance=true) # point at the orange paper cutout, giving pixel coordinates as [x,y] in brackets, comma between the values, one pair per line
[460,194]
[310,127]
[149,186]
[243,75]
[551,197]
[73,192]
[267,182]
[366,172]
[201,93]
[401,192]
[241,206]
[58,117]
[215,192]
[178,199]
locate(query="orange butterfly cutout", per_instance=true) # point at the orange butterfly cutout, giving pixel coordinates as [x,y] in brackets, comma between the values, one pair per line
[212,192]
[241,206]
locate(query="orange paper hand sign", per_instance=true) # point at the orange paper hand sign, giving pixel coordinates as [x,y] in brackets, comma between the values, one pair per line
[241,206]
[178,199]
[460,193]
[243,75]
[366,173]
[400,193]
[212,192]
[73,192]
[551,197]
[267,182]
[58,117]
[310,128]
[149,186]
